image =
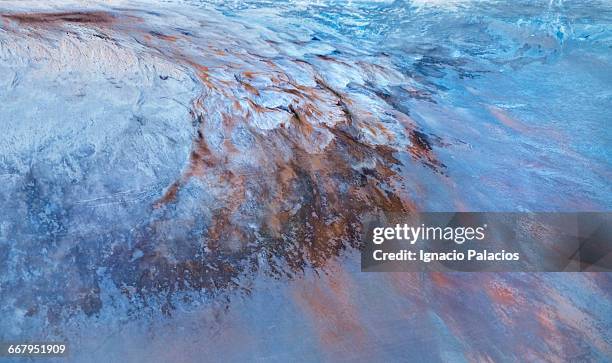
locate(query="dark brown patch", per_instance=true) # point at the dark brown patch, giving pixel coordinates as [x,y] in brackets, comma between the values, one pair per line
[422,149]
[92,17]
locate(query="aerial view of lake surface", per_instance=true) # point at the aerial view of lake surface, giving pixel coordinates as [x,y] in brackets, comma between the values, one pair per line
[185,181]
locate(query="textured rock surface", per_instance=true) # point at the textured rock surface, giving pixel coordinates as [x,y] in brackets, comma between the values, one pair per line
[211,162]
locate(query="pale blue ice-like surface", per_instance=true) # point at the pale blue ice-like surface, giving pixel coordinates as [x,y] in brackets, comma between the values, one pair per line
[131,137]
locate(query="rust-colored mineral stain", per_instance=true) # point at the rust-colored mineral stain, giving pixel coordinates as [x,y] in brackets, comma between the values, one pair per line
[422,149]
[502,295]
[169,196]
[547,320]
[248,87]
[503,117]
[166,37]
[200,159]
[440,279]
[302,176]
[249,74]
[90,17]
[328,304]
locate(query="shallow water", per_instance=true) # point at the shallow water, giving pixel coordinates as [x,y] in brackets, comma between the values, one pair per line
[172,158]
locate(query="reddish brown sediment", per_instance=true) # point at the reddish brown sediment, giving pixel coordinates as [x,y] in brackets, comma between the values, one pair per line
[440,279]
[332,311]
[169,195]
[80,17]
[325,222]
[199,160]
[168,38]
[502,294]
[290,195]
[421,149]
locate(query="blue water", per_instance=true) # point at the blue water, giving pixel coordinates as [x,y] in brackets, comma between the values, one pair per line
[193,172]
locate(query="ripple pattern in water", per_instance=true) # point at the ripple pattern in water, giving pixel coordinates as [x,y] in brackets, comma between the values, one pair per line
[160,156]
